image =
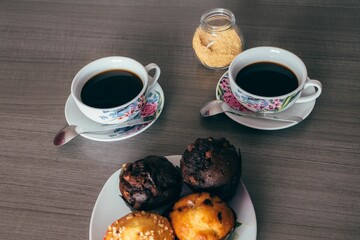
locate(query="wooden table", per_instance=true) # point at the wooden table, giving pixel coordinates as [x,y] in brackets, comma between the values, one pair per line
[304,180]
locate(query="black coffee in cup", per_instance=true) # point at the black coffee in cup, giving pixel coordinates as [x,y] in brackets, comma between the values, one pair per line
[267,79]
[111,89]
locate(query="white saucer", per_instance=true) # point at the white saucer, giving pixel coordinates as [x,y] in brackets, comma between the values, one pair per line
[298,109]
[110,206]
[154,104]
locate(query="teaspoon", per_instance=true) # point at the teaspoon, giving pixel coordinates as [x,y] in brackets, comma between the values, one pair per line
[215,107]
[71,131]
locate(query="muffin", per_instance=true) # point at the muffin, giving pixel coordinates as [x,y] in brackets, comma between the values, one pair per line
[212,165]
[140,226]
[202,216]
[150,182]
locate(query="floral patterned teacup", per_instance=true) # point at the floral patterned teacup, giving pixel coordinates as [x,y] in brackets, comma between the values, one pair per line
[125,111]
[264,104]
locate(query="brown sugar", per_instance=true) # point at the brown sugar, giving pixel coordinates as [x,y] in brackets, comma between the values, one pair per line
[216,50]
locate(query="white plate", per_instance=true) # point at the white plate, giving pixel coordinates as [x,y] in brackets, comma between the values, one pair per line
[110,206]
[154,104]
[299,109]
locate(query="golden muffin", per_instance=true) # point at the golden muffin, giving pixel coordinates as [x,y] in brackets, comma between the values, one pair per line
[140,226]
[202,216]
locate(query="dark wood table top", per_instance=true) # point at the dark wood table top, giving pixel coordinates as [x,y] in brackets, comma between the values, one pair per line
[303,180]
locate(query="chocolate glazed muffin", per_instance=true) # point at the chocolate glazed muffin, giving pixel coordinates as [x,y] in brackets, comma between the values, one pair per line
[150,182]
[212,165]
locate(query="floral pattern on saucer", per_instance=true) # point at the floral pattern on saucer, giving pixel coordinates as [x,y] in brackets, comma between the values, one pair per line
[226,94]
[153,100]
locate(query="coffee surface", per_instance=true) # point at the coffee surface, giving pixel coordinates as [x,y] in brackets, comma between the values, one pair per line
[111,89]
[267,79]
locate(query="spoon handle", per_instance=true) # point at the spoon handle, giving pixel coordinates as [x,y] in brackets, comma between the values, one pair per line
[276,117]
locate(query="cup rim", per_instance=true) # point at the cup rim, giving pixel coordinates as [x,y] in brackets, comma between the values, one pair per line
[269,48]
[109,58]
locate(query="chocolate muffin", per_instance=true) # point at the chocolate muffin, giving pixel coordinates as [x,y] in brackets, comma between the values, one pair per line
[212,165]
[202,216]
[150,182]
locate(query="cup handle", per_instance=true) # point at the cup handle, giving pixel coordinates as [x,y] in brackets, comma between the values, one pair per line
[311,83]
[154,79]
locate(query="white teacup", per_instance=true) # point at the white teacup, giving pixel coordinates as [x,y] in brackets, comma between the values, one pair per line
[125,111]
[272,104]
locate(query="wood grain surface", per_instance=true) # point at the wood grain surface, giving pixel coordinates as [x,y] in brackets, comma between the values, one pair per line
[304,181]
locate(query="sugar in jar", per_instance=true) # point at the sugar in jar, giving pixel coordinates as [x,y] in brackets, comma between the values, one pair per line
[217,40]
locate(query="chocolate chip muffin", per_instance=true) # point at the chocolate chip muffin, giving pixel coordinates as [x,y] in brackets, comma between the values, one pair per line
[150,182]
[140,226]
[202,216]
[212,165]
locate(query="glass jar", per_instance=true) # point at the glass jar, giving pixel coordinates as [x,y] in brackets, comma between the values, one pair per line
[217,40]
